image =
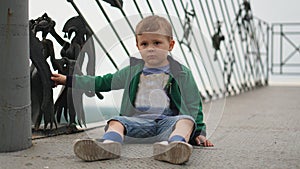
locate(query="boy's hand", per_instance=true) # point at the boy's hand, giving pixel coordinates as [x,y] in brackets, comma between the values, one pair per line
[59,79]
[201,140]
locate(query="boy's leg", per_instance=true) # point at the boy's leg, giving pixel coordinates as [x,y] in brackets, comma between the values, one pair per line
[183,128]
[116,126]
[136,130]
[176,150]
[114,132]
[108,148]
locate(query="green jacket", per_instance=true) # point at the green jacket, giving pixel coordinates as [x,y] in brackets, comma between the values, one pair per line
[181,88]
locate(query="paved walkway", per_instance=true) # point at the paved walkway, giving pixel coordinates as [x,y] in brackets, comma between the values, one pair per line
[257,129]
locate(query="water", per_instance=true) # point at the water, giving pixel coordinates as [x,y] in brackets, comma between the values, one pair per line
[95,114]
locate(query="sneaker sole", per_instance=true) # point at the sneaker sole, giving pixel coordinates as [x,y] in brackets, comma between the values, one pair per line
[91,150]
[175,152]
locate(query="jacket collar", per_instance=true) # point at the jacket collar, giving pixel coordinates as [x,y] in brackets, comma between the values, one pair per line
[175,66]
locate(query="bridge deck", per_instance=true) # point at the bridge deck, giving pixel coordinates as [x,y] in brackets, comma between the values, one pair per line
[257,129]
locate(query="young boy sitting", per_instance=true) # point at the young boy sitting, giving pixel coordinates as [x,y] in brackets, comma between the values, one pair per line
[161,103]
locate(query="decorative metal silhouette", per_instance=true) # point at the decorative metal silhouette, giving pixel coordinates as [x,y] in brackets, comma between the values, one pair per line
[253,65]
[115,3]
[41,84]
[248,14]
[217,38]
[244,16]
[187,27]
[73,54]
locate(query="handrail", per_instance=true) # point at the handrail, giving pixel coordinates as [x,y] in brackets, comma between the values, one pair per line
[284,47]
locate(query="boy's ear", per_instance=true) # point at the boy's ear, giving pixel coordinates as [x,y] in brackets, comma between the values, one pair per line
[172,43]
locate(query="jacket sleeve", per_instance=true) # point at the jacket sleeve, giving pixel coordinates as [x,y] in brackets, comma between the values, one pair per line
[92,83]
[103,83]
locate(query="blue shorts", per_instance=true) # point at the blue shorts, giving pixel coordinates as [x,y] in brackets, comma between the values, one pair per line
[143,130]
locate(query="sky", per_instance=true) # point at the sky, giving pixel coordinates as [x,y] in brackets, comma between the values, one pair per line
[268,10]
[277,10]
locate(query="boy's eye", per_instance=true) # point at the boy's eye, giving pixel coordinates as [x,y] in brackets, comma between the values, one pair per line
[143,44]
[157,43]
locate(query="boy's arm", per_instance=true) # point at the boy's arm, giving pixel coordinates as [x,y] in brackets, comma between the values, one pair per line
[59,79]
[103,83]
[192,99]
[200,134]
[90,83]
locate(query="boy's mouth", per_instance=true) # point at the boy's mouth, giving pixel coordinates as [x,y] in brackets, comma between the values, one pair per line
[151,56]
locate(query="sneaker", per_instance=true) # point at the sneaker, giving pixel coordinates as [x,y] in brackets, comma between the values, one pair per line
[176,152]
[92,150]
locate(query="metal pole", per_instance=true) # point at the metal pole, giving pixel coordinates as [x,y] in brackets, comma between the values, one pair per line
[268,55]
[15,109]
[112,27]
[95,36]
[245,51]
[272,48]
[281,39]
[188,45]
[138,8]
[208,28]
[204,43]
[233,40]
[234,50]
[236,78]
[150,7]
[176,35]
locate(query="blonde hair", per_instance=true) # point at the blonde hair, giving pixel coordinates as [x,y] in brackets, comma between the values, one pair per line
[154,24]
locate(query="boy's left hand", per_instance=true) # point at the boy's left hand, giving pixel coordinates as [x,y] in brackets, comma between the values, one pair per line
[201,140]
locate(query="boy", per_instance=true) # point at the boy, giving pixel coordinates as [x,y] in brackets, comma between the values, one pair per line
[161,102]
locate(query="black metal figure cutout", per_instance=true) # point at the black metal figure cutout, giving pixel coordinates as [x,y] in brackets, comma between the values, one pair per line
[41,84]
[115,3]
[73,54]
[187,27]
[244,16]
[217,38]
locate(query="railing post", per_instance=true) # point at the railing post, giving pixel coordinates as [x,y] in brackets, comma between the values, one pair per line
[15,109]
[268,54]
[281,37]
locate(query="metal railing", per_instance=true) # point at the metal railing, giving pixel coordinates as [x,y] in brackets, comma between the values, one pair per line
[229,66]
[285,49]
[224,45]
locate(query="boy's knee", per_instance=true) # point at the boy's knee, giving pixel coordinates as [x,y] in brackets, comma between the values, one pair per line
[114,122]
[186,119]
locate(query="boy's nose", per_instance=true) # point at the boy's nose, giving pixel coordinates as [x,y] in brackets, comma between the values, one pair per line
[150,48]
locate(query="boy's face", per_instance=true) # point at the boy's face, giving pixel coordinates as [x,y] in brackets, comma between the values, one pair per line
[154,48]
